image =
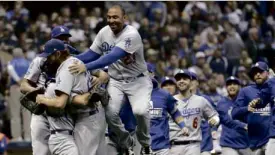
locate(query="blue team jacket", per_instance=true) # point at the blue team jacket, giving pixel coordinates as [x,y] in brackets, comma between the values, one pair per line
[233,133]
[207,141]
[267,95]
[162,103]
[258,122]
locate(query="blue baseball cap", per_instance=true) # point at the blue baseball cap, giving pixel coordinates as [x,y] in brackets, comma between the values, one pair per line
[260,65]
[150,68]
[233,79]
[167,79]
[52,46]
[194,76]
[183,73]
[60,30]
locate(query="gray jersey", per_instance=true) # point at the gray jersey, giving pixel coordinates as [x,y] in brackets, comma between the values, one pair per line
[58,123]
[130,41]
[193,110]
[34,72]
[72,84]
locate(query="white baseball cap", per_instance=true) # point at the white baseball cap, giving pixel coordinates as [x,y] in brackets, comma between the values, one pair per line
[200,55]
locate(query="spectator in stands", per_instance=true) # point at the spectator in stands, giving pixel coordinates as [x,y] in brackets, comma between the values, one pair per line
[200,62]
[218,62]
[252,44]
[17,68]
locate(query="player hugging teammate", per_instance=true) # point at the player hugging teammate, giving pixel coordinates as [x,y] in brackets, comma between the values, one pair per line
[70,108]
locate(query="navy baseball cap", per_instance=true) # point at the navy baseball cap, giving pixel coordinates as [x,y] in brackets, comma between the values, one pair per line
[167,79]
[194,76]
[183,73]
[60,30]
[260,65]
[52,46]
[233,79]
[150,68]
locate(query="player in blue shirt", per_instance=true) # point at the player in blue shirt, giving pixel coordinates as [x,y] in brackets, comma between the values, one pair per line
[258,120]
[169,84]
[234,138]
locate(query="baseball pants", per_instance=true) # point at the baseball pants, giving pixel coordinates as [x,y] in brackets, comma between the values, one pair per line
[89,133]
[188,149]
[62,144]
[138,92]
[17,128]
[161,152]
[270,148]
[114,150]
[205,153]
[40,133]
[231,151]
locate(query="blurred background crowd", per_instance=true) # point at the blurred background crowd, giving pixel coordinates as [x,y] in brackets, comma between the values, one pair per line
[213,39]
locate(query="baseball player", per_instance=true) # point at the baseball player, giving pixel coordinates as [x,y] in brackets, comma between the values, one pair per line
[169,84]
[61,140]
[234,138]
[89,131]
[193,108]
[36,78]
[267,96]
[122,48]
[207,141]
[258,120]
[162,104]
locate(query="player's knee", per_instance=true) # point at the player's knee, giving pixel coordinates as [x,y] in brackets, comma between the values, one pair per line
[140,111]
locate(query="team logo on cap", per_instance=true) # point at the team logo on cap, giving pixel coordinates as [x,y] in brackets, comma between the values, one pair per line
[61,29]
[257,64]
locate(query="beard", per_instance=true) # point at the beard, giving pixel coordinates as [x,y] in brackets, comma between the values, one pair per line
[50,68]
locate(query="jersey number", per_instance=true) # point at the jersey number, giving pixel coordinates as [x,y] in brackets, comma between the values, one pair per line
[195,122]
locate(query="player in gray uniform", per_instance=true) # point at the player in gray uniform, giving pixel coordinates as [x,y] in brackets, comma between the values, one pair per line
[90,125]
[40,133]
[194,108]
[122,50]
[61,140]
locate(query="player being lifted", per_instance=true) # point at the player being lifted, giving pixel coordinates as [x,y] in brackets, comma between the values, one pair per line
[122,50]
[193,109]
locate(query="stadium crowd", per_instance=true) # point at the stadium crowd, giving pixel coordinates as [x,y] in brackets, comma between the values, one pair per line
[213,39]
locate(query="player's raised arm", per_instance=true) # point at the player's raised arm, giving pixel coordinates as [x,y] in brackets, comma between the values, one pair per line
[240,110]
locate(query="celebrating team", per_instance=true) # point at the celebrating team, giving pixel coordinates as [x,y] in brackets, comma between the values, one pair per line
[162,121]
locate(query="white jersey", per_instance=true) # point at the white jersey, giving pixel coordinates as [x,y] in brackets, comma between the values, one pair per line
[130,41]
[72,84]
[193,110]
[34,72]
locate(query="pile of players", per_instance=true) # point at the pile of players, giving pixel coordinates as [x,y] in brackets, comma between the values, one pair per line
[142,118]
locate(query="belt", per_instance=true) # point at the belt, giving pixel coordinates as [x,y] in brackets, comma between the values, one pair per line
[129,79]
[87,114]
[67,132]
[182,142]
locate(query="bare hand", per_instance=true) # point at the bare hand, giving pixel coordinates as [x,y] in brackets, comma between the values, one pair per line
[39,99]
[77,68]
[96,82]
[254,102]
[251,109]
[185,131]
[212,121]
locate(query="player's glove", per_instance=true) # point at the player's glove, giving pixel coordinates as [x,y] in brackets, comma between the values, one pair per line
[28,102]
[99,94]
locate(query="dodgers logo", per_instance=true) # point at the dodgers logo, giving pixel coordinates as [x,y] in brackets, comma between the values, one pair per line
[106,48]
[127,43]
